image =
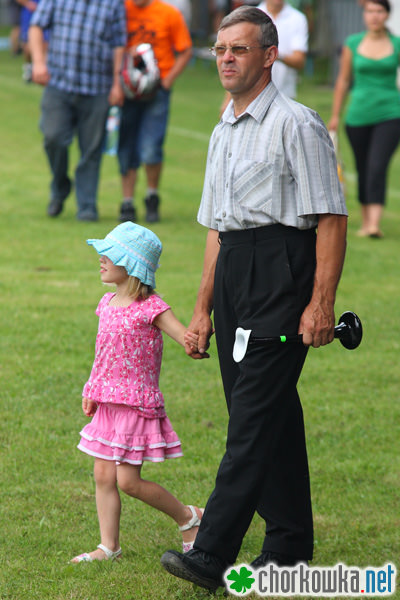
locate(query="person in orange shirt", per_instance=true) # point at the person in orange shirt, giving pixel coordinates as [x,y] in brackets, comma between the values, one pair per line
[144,122]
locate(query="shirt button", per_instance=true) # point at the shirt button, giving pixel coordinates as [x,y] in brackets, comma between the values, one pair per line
[234,126]
[230,155]
[224,214]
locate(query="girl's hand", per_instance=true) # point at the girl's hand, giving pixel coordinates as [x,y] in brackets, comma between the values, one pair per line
[168,323]
[191,340]
[89,407]
[203,328]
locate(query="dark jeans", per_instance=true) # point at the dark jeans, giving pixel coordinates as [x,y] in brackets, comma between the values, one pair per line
[263,282]
[63,115]
[373,147]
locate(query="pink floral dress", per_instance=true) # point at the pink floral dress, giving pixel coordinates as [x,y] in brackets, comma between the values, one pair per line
[130,424]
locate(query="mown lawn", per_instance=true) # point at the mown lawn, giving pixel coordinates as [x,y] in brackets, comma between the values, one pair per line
[49,288]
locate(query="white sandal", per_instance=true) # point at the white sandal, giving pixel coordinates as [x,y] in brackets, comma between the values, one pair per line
[85,557]
[194,522]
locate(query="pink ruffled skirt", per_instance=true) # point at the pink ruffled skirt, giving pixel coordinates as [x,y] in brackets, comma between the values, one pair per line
[118,432]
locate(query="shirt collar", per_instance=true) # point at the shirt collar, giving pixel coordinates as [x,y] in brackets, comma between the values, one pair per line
[256,109]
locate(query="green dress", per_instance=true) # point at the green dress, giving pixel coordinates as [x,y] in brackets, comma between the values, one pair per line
[374,96]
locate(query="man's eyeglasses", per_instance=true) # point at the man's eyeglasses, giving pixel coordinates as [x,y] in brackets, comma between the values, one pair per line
[235,50]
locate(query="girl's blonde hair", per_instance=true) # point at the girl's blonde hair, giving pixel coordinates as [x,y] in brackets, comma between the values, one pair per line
[138,290]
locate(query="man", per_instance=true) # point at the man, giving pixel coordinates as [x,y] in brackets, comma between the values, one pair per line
[293,44]
[81,75]
[270,181]
[144,123]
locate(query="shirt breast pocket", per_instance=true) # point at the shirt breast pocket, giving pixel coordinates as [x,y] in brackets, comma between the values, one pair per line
[252,184]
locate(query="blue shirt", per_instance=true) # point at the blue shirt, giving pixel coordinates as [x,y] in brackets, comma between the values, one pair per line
[83,34]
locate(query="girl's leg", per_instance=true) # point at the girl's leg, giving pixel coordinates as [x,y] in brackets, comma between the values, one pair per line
[108,507]
[130,481]
[108,503]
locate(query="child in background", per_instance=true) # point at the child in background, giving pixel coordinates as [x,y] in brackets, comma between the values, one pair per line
[129,423]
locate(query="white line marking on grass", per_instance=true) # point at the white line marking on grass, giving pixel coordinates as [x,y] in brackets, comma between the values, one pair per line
[188,133]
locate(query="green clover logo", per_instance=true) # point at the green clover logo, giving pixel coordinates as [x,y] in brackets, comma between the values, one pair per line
[242,581]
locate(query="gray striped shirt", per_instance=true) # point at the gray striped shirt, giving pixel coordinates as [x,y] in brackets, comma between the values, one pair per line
[275,163]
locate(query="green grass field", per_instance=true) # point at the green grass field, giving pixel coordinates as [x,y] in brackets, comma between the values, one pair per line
[49,288]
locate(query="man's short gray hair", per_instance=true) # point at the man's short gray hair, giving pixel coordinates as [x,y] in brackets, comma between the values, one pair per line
[250,14]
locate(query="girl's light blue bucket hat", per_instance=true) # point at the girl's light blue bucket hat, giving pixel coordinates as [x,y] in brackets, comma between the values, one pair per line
[133,247]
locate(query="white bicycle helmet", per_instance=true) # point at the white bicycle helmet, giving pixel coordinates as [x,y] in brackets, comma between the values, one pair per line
[140,75]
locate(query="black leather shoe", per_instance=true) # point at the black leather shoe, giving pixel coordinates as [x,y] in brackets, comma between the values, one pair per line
[127,212]
[56,205]
[280,560]
[152,203]
[201,568]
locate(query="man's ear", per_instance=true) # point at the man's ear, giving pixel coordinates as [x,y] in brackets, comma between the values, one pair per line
[271,54]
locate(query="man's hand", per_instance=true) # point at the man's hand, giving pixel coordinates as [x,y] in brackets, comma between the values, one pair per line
[200,326]
[40,73]
[201,323]
[317,325]
[116,95]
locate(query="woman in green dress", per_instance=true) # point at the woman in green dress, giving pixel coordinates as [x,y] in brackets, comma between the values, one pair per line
[368,66]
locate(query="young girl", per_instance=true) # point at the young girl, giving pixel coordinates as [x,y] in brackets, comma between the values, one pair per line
[129,422]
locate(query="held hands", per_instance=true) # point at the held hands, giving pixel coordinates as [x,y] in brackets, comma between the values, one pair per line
[317,325]
[191,345]
[191,340]
[89,407]
[197,337]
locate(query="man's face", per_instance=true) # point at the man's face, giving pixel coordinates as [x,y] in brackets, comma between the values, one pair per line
[239,74]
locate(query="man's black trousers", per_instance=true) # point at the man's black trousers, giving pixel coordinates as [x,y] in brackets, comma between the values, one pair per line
[263,281]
